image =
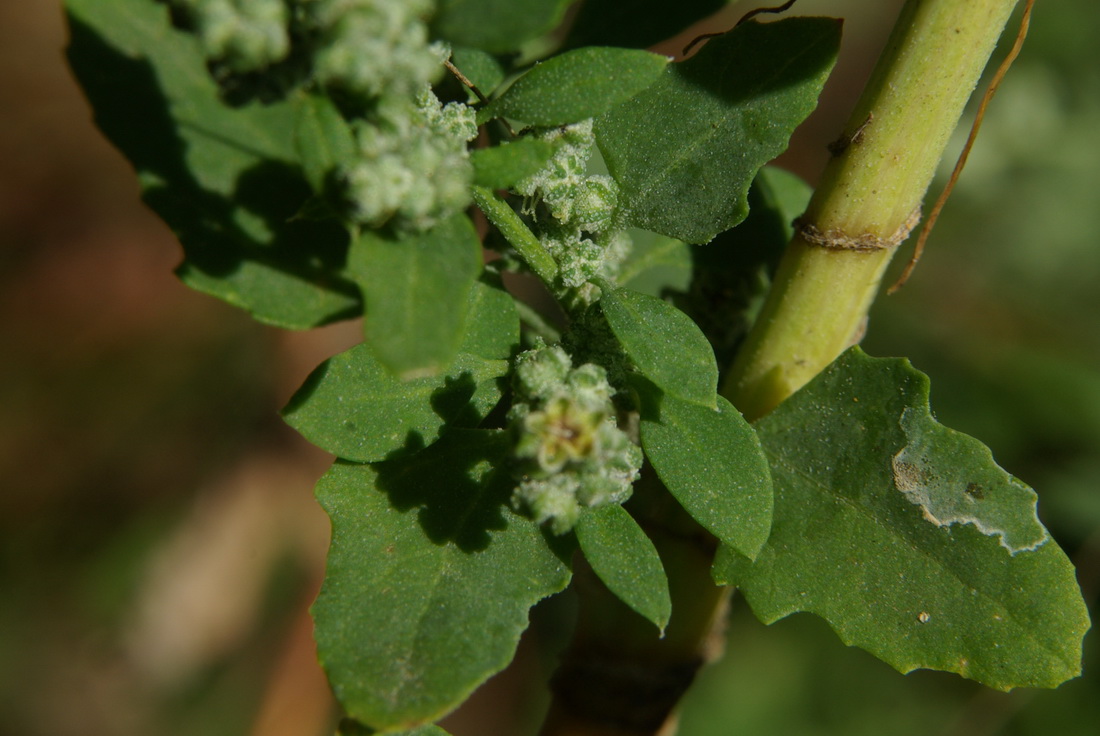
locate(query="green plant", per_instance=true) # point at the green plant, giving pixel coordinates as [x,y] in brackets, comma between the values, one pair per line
[329,159]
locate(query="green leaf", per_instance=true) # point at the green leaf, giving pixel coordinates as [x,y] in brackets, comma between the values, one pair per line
[480,68]
[712,463]
[349,727]
[664,344]
[417,292]
[624,558]
[906,536]
[637,24]
[322,138]
[784,195]
[429,579]
[577,85]
[226,180]
[493,329]
[354,408]
[502,166]
[685,150]
[656,264]
[496,26]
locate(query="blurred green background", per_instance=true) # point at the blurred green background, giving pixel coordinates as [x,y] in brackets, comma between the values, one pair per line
[159,544]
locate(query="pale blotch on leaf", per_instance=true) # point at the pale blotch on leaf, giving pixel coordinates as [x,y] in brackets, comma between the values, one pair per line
[953,479]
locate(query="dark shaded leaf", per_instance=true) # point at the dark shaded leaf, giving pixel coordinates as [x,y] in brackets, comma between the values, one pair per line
[496,26]
[226,180]
[637,24]
[732,273]
[656,264]
[322,138]
[349,727]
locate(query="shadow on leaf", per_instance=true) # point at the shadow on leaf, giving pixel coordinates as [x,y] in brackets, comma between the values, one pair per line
[219,232]
[451,401]
[755,61]
[457,484]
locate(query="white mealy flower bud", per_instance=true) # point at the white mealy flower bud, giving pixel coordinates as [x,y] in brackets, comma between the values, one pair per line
[245,35]
[413,168]
[540,373]
[374,47]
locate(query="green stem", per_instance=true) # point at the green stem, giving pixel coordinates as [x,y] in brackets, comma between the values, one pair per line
[897,133]
[539,324]
[517,233]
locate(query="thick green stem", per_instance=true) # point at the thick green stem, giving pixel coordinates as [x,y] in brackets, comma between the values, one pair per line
[867,198]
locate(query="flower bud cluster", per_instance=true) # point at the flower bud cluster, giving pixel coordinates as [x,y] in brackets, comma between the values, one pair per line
[372,48]
[412,167]
[242,35]
[570,452]
[572,196]
[366,48]
[579,232]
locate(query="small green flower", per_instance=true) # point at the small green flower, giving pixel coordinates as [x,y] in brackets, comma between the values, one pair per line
[574,214]
[579,259]
[540,373]
[563,185]
[550,500]
[560,434]
[569,452]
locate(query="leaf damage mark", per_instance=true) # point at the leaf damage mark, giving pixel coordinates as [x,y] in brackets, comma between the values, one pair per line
[953,479]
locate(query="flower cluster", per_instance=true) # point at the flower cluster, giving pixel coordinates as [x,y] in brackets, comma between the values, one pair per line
[578,229]
[242,35]
[572,197]
[374,48]
[570,452]
[411,167]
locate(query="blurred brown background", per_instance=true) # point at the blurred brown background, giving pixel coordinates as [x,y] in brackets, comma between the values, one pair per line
[159,543]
